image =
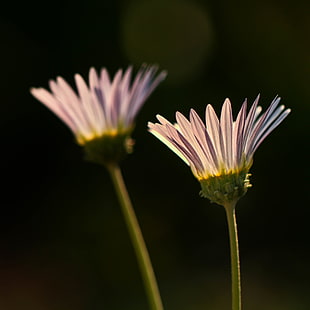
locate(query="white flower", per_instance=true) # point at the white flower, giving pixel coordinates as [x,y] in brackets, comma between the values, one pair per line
[220,151]
[105,107]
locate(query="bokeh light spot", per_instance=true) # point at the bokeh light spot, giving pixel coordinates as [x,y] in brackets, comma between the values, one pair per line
[177,36]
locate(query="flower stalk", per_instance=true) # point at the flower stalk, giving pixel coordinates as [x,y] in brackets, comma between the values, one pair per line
[135,233]
[234,255]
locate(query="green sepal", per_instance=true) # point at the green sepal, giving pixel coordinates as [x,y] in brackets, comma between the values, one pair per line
[225,188]
[109,149]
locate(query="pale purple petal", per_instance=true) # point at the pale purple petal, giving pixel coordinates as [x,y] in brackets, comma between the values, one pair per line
[203,139]
[87,104]
[238,134]
[223,146]
[162,120]
[161,133]
[213,128]
[97,98]
[125,93]
[53,104]
[69,104]
[144,84]
[188,149]
[249,122]
[105,82]
[187,132]
[266,131]
[226,133]
[257,127]
[114,101]
[105,105]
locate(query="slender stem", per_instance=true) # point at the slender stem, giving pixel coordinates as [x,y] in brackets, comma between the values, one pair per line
[234,254]
[137,239]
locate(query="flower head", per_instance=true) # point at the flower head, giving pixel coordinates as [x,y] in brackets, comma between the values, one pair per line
[105,110]
[220,151]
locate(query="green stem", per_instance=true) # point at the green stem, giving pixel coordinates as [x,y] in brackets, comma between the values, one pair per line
[234,254]
[137,239]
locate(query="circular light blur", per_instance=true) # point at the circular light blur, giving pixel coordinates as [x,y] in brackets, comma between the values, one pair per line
[175,35]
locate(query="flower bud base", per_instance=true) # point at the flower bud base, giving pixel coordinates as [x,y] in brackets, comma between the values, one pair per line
[108,149]
[225,188]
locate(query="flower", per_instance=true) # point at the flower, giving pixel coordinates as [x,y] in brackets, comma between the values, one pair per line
[220,152]
[102,114]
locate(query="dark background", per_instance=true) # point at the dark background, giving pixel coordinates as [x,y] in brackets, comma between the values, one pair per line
[63,242]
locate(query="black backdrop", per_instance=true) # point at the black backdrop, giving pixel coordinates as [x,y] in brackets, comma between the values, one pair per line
[63,243]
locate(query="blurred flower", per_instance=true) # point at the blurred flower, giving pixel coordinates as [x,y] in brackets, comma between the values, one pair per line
[101,115]
[220,152]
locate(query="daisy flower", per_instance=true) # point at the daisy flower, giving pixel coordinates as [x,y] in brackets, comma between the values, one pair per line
[101,115]
[220,151]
